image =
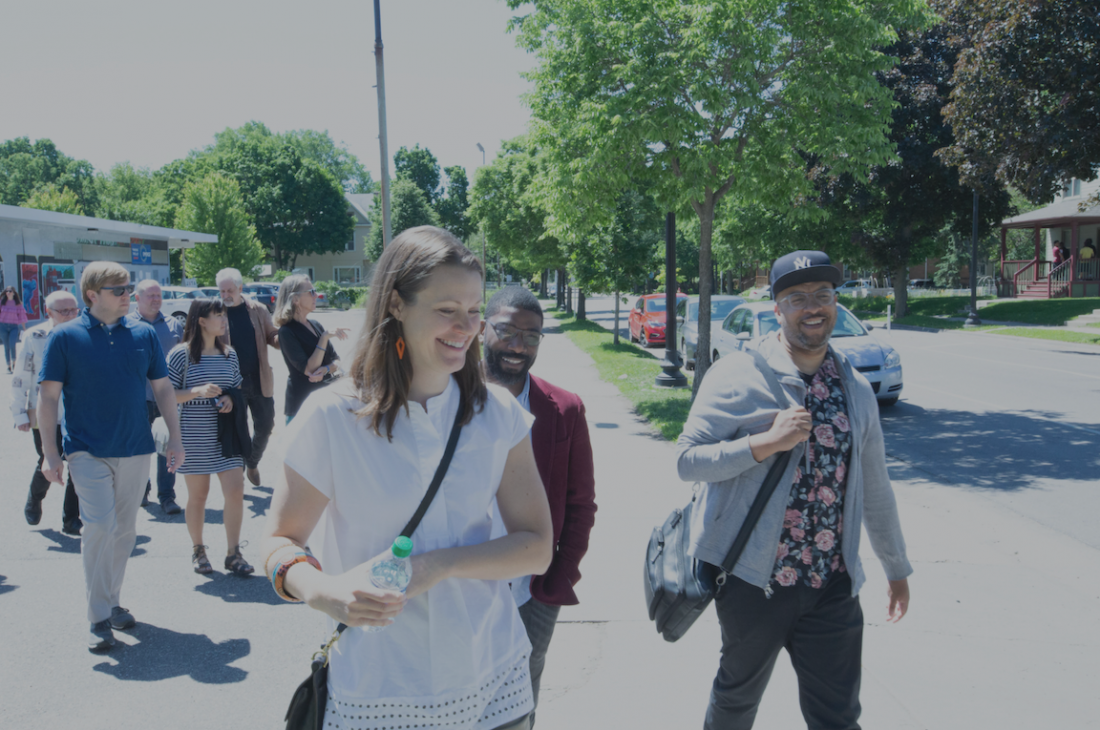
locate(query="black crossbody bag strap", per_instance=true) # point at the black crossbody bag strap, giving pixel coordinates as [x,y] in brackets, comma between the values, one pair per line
[433,488]
[775,473]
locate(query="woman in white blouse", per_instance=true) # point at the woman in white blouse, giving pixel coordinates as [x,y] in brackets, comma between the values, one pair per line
[358,460]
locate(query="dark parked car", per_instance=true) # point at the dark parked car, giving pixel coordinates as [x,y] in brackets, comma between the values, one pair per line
[265,294]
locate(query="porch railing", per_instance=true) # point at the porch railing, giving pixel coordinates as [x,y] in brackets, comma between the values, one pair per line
[1058,282]
[1089,269]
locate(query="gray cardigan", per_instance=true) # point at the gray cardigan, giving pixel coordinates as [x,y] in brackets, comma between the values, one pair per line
[734,402]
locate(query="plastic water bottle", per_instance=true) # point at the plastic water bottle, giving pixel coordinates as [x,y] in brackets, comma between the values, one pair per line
[392,570]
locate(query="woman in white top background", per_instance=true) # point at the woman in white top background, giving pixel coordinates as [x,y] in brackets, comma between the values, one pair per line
[358,460]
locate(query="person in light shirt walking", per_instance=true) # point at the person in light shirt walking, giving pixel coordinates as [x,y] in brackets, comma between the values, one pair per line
[61,307]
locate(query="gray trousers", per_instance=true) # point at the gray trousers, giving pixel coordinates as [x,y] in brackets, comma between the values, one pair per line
[110,492]
[539,619]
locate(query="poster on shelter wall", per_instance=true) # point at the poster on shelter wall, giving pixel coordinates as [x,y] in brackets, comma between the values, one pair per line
[29,275]
[58,277]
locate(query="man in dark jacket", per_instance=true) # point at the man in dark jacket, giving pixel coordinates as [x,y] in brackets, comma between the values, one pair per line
[563,452]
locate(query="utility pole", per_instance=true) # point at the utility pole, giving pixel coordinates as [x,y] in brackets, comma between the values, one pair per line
[670,377]
[383,145]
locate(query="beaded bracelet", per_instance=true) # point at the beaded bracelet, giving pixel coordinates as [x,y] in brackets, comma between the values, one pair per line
[279,575]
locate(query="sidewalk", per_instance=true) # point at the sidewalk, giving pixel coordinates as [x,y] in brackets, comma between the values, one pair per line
[994,637]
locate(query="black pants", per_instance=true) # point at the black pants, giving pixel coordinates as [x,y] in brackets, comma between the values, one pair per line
[263,420]
[821,629]
[70,510]
[166,480]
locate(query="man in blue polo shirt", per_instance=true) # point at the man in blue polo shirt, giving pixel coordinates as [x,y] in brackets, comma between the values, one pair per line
[99,363]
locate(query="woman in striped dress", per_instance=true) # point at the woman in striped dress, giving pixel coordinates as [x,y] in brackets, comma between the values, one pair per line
[202,369]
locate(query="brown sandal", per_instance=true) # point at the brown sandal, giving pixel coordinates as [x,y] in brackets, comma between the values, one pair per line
[201,562]
[235,563]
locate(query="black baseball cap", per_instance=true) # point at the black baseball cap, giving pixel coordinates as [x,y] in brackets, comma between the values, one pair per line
[798,267]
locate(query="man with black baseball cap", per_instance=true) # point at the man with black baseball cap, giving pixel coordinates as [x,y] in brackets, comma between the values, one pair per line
[796,584]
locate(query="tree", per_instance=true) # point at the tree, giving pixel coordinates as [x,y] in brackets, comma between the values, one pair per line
[408,208]
[705,99]
[49,197]
[26,166]
[898,215]
[615,257]
[310,144]
[214,205]
[509,209]
[1026,95]
[420,166]
[452,206]
[134,195]
[295,204]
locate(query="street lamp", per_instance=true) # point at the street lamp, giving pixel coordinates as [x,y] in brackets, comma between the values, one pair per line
[972,319]
[383,144]
[484,263]
[671,377]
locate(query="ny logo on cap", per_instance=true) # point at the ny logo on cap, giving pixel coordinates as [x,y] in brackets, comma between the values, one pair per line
[802,262]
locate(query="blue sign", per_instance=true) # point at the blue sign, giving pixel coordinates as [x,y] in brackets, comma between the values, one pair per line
[141,253]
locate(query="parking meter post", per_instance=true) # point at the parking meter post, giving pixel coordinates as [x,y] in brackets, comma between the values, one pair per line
[670,377]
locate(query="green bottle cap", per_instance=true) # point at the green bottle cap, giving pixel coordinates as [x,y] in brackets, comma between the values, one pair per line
[402,547]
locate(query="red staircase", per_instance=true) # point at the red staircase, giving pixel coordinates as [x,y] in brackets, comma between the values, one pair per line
[1034,289]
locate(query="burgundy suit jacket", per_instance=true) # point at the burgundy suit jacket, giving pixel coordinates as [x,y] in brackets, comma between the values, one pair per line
[563,454]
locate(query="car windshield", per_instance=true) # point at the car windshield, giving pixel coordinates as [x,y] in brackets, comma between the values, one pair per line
[846,324]
[655,305]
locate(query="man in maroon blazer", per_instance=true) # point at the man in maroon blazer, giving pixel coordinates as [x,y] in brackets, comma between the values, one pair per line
[513,332]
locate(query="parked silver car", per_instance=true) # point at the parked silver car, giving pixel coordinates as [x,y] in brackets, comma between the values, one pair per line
[687,322]
[879,362]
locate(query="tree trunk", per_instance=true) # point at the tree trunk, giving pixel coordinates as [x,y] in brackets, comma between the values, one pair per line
[702,350]
[542,283]
[901,291]
[616,330]
[580,305]
[569,299]
[561,289]
[276,258]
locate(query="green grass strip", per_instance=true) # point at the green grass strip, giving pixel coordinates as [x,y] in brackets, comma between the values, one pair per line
[633,371]
[1041,334]
[1055,312]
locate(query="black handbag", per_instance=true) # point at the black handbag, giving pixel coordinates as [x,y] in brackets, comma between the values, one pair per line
[307,705]
[678,588]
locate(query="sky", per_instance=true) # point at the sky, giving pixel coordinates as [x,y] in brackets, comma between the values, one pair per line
[146,82]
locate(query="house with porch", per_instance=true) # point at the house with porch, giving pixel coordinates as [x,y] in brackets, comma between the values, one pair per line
[1066,223]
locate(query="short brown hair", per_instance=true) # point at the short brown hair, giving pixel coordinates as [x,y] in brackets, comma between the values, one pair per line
[100,274]
[381,378]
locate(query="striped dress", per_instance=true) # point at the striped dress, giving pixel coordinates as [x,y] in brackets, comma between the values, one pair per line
[199,417]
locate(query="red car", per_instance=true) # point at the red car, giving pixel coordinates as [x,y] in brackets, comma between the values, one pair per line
[647,320]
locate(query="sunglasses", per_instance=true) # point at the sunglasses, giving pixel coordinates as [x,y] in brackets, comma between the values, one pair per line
[307,291]
[507,333]
[119,291]
[65,312]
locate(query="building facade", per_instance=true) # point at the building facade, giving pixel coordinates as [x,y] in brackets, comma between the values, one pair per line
[42,251]
[352,265]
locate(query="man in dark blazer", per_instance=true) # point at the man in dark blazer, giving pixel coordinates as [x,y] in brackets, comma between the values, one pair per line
[512,334]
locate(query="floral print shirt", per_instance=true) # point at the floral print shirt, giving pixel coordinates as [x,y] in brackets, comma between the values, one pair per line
[809,546]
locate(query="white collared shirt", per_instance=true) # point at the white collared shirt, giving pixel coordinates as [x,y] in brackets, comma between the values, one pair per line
[460,650]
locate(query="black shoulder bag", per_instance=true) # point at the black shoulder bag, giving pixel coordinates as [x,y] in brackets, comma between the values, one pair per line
[307,706]
[678,588]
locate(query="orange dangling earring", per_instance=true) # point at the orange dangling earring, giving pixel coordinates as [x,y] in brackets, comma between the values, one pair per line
[400,347]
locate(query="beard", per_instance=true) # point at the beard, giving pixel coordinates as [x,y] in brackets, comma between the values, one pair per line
[494,367]
[811,342]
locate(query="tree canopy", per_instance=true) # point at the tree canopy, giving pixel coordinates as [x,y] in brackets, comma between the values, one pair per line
[702,99]
[409,208]
[214,205]
[1026,95]
[26,166]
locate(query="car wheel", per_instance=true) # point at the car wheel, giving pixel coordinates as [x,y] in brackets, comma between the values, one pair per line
[887,402]
[643,339]
[181,316]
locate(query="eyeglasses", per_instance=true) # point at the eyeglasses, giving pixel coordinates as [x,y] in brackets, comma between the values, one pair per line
[119,291]
[802,300]
[65,312]
[307,291]
[506,333]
